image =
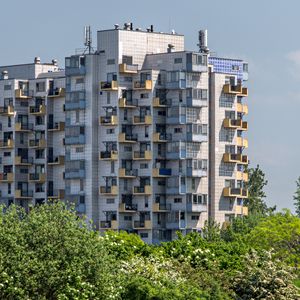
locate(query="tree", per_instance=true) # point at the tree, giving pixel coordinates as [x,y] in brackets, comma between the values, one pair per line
[255,202]
[50,253]
[297,198]
[265,278]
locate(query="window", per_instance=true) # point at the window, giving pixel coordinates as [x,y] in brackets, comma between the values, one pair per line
[177,130]
[195,217]
[9,122]
[39,188]
[110,201]
[79,149]
[9,188]
[143,166]
[127,79]
[235,68]
[39,154]
[110,131]
[112,167]
[178,60]
[127,149]
[6,154]
[144,96]
[39,120]
[108,97]
[23,171]
[127,218]
[81,183]
[77,116]
[177,200]
[79,80]
[111,61]
[40,86]
[7,87]
[144,235]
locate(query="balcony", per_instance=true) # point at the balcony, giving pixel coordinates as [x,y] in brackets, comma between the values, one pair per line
[242,142]
[37,143]
[196,207]
[7,144]
[142,120]
[109,225]
[142,85]
[232,123]
[127,138]
[242,108]
[108,155]
[37,110]
[109,190]
[244,125]
[242,176]
[126,173]
[158,102]
[6,177]
[235,192]
[147,224]
[23,94]
[128,69]
[109,85]
[232,89]
[177,85]
[75,173]
[56,194]
[22,194]
[192,172]
[56,93]
[125,103]
[241,210]
[109,121]
[22,161]
[244,92]
[75,104]
[58,160]
[142,155]
[161,137]
[176,190]
[161,172]
[57,126]
[196,137]
[142,190]
[7,110]
[158,207]
[190,102]
[37,177]
[176,224]
[235,158]
[23,127]
[126,208]
[75,140]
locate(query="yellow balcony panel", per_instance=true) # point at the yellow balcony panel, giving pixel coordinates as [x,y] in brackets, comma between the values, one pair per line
[235,192]
[244,92]
[139,85]
[127,208]
[57,93]
[242,108]
[125,173]
[244,160]
[127,138]
[232,158]
[113,225]
[157,207]
[159,137]
[109,85]
[147,224]
[36,177]
[232,89]
[242,142]
[242,176]
[125,103]
[7,144]
[19,161]
[108,155]
[108,190]
[244,125]
[145,120]
[241,210]
[37,110]
[58,126]
[23,94]
[6,177]
[58,160]
[19,194]
[59,194]
[7,110]
[142,155]
[232,123]
[128,69]
[109,121]
[157,102]
[20,127]
[142,190]
[39,143]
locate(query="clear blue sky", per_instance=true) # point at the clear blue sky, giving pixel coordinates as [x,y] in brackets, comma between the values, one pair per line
[263,32]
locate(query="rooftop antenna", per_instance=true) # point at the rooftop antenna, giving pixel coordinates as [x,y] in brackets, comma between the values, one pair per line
[88,39]
[203,41]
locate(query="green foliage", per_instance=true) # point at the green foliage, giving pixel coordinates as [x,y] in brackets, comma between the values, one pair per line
[281,232]
[51,254]
[255,202]
[264,278]
[297,198]
[211,231]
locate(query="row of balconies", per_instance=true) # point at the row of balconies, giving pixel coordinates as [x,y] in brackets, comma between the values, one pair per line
[114,190]
[28,94]
[137,85]
[32,177]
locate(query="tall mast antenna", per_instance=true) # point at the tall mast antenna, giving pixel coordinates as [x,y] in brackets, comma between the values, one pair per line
[88,39]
